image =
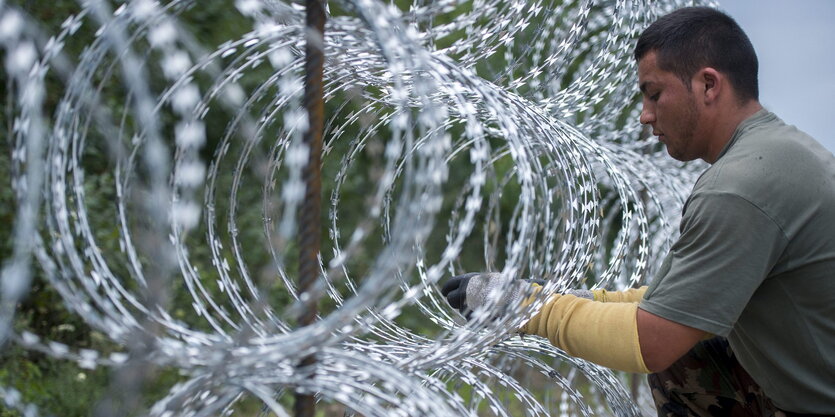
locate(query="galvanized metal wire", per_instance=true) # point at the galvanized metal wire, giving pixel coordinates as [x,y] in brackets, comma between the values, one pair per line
[482,135]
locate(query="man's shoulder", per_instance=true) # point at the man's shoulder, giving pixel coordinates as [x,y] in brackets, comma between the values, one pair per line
[779,170]
[768,160]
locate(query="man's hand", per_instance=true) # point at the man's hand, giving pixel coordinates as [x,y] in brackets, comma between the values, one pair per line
[455,291]
[470,291]
[465,297]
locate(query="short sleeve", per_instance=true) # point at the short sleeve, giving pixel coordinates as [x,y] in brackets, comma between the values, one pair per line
[726,249]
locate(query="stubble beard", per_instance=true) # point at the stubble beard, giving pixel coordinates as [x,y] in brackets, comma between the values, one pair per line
[683,151]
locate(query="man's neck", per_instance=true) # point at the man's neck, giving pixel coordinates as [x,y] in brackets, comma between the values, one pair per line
[726,124]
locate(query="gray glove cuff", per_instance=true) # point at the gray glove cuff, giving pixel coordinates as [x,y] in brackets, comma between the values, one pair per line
[581,293]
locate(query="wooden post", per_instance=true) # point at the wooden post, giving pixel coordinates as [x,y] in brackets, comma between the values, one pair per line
[310,214]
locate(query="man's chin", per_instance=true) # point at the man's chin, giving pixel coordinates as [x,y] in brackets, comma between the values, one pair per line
[677,155]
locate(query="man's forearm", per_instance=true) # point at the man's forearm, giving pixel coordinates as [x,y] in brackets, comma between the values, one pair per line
[603,333]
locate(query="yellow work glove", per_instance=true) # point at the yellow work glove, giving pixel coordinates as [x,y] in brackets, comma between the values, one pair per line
[603,333]
[632,295]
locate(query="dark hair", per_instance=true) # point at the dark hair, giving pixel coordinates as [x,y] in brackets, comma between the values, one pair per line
[692,38]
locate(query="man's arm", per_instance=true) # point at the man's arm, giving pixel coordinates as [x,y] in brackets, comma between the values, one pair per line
[616,335]
[663,341]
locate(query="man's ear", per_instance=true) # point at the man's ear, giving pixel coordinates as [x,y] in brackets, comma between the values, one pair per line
[713,82]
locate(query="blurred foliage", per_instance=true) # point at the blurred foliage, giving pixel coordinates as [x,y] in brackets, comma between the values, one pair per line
[62,387]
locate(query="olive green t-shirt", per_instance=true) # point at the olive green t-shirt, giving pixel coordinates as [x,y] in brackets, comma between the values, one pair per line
[755,261]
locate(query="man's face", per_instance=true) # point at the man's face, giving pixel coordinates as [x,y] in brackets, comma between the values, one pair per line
[669,107]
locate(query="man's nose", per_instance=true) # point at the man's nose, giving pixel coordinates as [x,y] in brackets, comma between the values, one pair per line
[647,116]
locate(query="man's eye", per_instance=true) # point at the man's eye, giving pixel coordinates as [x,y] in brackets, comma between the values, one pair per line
[655,96]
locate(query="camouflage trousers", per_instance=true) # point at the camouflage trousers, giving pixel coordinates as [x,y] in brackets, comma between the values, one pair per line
[709,381]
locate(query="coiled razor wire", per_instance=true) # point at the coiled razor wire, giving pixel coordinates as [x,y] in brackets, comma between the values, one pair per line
[495,135]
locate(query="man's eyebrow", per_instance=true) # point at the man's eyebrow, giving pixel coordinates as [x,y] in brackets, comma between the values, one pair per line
[644,86]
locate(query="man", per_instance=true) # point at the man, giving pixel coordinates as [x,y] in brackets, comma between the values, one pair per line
[755,262]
